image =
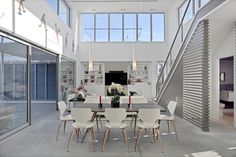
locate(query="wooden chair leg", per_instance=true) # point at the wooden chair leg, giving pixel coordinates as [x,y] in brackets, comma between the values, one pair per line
[135,122]
[168,125]
[72,131]
[154,135]
[58,129]
[175,131]
[97,124]
[138,138]
[160,139]
[108,137]
[148,135]
[159,122]
[84,136]
[64,126]
[105,139]
[125,136]
[77,131]
[92,138]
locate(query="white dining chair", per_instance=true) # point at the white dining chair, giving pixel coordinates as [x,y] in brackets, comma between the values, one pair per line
[148,120]
[63,119]
[170,118]
[133,100]
[82,118]
[115,117]
[94,100]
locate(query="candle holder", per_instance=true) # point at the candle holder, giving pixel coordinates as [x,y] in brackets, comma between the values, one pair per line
[100,105]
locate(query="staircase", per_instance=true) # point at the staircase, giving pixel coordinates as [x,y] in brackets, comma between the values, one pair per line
[184,76]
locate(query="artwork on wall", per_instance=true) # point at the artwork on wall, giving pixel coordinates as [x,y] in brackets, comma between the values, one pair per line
[57,30]
[222,76]
[21,7]
[73,45]
[66,40]
[1,15]
[43,21]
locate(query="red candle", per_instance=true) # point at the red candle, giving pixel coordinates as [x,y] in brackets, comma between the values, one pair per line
[129,99]
[100,99]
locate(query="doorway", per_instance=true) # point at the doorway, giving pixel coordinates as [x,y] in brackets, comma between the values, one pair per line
[227,89]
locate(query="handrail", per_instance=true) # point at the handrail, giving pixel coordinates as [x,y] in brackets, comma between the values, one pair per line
[164,77]
[172,45]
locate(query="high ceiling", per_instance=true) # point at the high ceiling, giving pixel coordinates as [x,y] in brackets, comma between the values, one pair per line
[225,13]
[122,5]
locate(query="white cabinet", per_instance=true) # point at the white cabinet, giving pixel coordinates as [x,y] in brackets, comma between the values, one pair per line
[93,77]
[142,89]
[94,81]
[139,79]
[140,75]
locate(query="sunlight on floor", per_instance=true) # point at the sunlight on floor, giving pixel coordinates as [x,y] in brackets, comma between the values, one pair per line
[211,153]
[232,148]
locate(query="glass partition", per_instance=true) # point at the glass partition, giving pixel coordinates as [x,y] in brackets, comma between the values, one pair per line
[43,83]
[13,85]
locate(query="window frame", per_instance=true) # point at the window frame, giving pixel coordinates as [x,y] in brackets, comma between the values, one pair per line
[123,13]
[122,27]
[68,23]
[95,27]
[164,26]
[192,10]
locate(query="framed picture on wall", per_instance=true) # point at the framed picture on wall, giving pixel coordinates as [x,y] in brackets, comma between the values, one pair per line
[222,76]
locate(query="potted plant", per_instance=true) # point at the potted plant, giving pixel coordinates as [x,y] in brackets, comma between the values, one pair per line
[115,101]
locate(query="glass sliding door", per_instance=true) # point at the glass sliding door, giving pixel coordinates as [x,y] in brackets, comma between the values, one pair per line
[13,85]
[43,83]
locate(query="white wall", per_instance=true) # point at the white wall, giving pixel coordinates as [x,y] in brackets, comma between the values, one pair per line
[27,24]
[221,45]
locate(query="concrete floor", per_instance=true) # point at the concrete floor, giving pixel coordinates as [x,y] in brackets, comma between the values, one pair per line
[39,140]
[39,110]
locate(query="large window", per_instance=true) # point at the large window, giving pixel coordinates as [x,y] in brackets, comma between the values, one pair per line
[64,12]
[126,27]
[158,29]
[116,27]
[129,27]
[101,27]
[189,13]
[62,9]
[194,6]
[144,27]
[88,27]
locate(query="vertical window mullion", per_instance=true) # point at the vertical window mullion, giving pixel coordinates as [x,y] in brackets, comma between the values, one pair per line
[109,28]
[58,7]
[94,39]
[151,27]
[123,28]
[137,28]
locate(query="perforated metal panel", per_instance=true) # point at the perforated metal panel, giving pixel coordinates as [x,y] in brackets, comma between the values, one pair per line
[195,78]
